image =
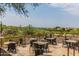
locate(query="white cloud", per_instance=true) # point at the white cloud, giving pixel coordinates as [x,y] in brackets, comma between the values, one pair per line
[72,8]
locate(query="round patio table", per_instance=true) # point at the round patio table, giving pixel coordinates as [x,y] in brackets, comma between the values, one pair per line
[71,43]
[51,40]
[6,43]
[32,40]
[39,47]
[77,39]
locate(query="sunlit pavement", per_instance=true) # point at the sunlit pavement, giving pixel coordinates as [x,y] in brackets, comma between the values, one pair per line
[54,50]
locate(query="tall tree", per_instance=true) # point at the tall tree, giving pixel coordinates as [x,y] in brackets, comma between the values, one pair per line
[20,8]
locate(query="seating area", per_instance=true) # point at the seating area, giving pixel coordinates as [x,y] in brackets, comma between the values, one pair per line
[42,47]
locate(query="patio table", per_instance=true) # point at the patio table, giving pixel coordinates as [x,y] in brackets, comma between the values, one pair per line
[51,40]
[32,40]
[6,43]
[39,47]
[77,39]
[73,44]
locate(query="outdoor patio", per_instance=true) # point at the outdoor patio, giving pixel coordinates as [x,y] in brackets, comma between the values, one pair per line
[54,50]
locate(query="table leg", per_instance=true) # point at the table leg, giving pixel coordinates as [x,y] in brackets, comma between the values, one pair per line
[36,52]
[68,50]
[74,50]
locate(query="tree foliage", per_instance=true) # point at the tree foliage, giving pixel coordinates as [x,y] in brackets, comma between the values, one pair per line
[20,8]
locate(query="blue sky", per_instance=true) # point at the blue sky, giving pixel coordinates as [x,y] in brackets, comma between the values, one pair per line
[46,15]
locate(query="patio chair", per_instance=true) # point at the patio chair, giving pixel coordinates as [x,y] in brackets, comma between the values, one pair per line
[4,52]
[65,41]
[46,49]
[54,41]
[31,42]
[21,41]
[38,49]
[12,47]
